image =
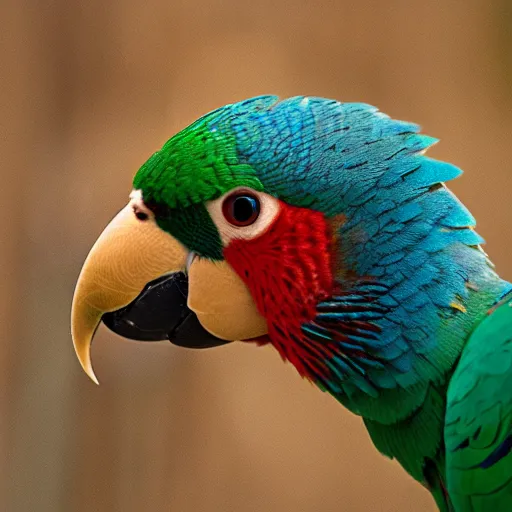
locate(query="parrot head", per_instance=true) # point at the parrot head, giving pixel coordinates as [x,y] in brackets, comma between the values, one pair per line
[274,221]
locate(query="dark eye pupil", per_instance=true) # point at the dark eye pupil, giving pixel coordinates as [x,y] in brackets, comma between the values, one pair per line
[244,208]
[241,210]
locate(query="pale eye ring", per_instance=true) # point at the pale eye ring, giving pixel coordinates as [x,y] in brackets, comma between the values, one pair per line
[241,209]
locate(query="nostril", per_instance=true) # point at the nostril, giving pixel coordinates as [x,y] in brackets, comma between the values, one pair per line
[141,215]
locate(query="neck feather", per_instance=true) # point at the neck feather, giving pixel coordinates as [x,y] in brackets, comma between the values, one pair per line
[420,244]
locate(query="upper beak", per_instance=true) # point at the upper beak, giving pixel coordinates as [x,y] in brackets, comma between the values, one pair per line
[129,254]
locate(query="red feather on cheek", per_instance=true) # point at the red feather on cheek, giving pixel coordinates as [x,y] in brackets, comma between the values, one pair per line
[288,270]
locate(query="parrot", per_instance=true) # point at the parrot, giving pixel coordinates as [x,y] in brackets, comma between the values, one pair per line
[322,228]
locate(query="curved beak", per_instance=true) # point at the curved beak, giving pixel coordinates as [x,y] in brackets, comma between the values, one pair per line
[144,285]
[129,254]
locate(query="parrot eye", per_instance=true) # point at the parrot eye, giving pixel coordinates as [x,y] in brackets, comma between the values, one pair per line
[242,213]
[241,209]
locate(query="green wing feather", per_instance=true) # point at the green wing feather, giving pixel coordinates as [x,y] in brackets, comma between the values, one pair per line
[478,427]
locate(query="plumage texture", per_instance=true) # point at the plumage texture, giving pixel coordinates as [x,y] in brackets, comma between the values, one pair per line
[406,282]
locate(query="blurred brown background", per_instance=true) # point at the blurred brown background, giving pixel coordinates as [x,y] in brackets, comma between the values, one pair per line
[89,89]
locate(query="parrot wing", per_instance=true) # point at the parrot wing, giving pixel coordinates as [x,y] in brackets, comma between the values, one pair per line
[478,426]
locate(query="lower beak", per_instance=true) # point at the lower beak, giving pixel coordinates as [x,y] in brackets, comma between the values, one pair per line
[160,312]
[129,254]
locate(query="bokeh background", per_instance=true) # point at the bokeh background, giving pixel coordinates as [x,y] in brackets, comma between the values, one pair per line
[89,89]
